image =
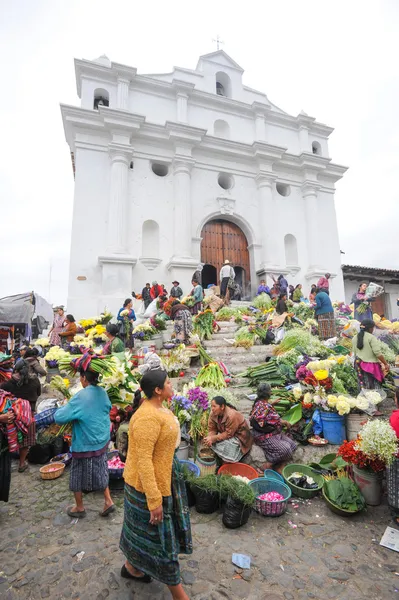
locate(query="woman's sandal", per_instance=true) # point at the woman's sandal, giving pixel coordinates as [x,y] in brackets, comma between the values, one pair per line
[76,514]
[108,511]
[144,578]
[23,468]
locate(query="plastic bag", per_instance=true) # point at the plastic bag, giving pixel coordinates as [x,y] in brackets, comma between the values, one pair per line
[47,403]
[205,502]
[151,309]
[374,290]
[40,454]
[280,335]
[317,424]
[235,514]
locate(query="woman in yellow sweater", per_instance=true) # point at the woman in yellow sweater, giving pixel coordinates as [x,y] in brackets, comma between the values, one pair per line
[156,525]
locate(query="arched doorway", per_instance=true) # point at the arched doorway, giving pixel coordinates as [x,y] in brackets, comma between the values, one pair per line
[223,240]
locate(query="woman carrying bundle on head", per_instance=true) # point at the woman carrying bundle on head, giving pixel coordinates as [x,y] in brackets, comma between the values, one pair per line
[88,411]
[266,426]
[229,434]
[156,526]
[368,357]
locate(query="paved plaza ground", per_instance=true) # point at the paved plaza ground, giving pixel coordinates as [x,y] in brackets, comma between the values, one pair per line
[323,557]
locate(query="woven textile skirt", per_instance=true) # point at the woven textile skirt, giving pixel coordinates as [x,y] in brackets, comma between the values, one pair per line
[89,474]
[5,467]
[183,326]
[393,486]
[366,380]
[29,439]
[155,549]
[277,448]
[327,327]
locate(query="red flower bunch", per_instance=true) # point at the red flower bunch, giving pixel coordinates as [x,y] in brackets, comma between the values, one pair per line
[358,458]
[307,405]
[167,307]
[326,383]
[311,380]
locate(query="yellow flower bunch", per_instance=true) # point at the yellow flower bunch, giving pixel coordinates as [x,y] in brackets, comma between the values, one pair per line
[321,374]
[85,323]
[66,382]
[332,401]
[297,393]
[96,331]
[342,406]
[308,398]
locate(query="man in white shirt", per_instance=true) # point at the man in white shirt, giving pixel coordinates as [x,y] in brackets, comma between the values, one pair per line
[226,272]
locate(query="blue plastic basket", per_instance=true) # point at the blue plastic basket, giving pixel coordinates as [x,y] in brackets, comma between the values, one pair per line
[45,418]
[264,485]
[192,466]
[270,474]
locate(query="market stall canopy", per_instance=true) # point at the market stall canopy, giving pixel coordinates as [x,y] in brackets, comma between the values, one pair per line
[23,308]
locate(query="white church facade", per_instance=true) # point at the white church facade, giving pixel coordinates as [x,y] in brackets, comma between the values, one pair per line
[173,170]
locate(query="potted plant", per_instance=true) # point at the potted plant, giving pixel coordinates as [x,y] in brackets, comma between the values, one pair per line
[370,454]
[240,499]
[207,493]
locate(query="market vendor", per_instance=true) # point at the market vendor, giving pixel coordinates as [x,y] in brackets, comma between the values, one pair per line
[263,288]
[362,303]
[15,435]
[324,313]
[126,317]
[31,357]
[281,306]
[57,326]
[368,357]
[176,291]
[267,430]
[198,295]
[70,329]
[114,344]
[183,321]
[297,295]
[88,411]
[229,434]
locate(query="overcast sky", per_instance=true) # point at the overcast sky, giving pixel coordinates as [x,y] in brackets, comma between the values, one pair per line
[335,59]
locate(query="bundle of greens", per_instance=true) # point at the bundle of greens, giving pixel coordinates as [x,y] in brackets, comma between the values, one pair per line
[246,336]
[226,313]
[268,372]
[392,341]
[287,362]
[263,302]
[226,393]
[304,342]
[203,324]
[301,310]
[211,375]
[387,353]
[343,492]
[344,379]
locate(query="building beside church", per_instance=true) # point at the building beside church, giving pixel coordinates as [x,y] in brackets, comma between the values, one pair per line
[193,166]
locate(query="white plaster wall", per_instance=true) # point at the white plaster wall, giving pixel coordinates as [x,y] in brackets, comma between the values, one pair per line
[279,136]
[156,109]
[242,129]
[89,223]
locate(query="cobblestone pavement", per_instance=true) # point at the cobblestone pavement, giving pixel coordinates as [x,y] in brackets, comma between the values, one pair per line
[324,557]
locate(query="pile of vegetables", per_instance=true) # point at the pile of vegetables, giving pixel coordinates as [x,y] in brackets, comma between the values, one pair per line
[203,324]
[246,336]
[262,302]
[211,375]
[268,372]
[304,342]
[343,492]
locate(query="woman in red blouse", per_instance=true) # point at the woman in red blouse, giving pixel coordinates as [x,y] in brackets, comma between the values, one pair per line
[266,430]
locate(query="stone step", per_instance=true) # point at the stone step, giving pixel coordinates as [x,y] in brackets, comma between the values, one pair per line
[227,324]
[240,303]
[215,346]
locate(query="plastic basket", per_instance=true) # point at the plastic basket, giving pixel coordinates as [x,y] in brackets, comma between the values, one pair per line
[300,492]
[114,473]
[45,418]
[192,466]
[65,458]
[262,485]
[238,469]
[270,474]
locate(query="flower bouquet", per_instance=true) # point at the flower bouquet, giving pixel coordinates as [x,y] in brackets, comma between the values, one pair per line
[374,449]
[43,342]
[182,408]
[176,360]
[145,331]
[158,323]
[188,301]
[203,324]
[199,414]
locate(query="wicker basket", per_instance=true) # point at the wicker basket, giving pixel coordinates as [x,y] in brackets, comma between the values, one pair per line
[47,474]
[270,509]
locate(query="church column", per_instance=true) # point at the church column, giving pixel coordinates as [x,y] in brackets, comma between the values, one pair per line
[268,220]
[182,207]
[123,93]
[118,202]
[182,102]
[309,193]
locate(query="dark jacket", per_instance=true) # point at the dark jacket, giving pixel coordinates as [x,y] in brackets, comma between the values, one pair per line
[281,307]
[146,296]
[176,292]
[28,391]
[35,366]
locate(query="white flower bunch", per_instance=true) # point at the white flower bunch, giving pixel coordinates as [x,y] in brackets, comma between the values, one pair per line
[124,313]
[378,440]
[372,396]
[362,403]
[43,342]
[55,353]
[320,365]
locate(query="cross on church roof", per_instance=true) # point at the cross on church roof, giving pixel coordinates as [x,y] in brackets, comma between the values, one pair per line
[218,41]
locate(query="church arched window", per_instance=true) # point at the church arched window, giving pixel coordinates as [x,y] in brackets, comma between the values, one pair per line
[223,84]
[316,148]
[101,98]
[221,129]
